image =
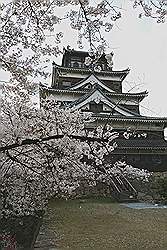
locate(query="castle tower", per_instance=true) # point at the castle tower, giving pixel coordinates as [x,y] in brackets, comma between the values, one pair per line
[97,88]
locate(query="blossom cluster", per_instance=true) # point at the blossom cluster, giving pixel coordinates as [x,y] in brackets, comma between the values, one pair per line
[48,152]
[153,8]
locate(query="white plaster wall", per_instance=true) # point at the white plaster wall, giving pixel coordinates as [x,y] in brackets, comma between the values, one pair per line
[63,97]
[83,75]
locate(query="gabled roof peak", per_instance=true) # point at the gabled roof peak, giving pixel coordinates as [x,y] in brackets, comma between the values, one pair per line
[98,96]
[93,80]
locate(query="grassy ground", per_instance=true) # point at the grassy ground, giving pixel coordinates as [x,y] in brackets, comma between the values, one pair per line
[100,224]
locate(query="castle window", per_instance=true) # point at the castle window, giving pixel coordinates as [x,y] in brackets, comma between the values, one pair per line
[96,108]
[65,103]
[156,159]
[89,86]
[76,62]
[75,65]
[66,84]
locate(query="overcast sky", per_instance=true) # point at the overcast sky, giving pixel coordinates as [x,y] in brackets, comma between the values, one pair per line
[142,45]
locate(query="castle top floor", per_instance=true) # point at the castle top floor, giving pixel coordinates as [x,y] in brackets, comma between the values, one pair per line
[84,60]
[78,65]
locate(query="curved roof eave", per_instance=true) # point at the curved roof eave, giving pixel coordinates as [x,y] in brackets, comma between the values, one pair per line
[141,94]
[134,119]
[114,72]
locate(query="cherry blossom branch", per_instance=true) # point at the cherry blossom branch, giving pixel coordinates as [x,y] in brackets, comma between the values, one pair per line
[15,159]
[54,137]
[87,21]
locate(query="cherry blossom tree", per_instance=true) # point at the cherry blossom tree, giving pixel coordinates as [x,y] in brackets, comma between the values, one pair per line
[29,37]
[46,151]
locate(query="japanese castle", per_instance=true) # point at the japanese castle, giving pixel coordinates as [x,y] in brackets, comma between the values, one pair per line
[97,88]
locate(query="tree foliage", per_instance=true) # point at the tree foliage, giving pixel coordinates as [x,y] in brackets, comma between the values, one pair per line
[43,150]
[156,9]
[46,151]
[159,186]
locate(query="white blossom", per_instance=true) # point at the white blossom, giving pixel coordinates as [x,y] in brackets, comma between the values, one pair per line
[42,150]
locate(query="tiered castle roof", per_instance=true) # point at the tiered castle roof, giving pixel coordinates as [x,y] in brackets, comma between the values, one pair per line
[83,87]
[97,88]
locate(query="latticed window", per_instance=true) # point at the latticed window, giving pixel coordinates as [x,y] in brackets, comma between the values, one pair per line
[66,84]
[75,64]
[156,159]
[96,108]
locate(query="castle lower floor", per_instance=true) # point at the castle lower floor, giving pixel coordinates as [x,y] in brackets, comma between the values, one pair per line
[152,162]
